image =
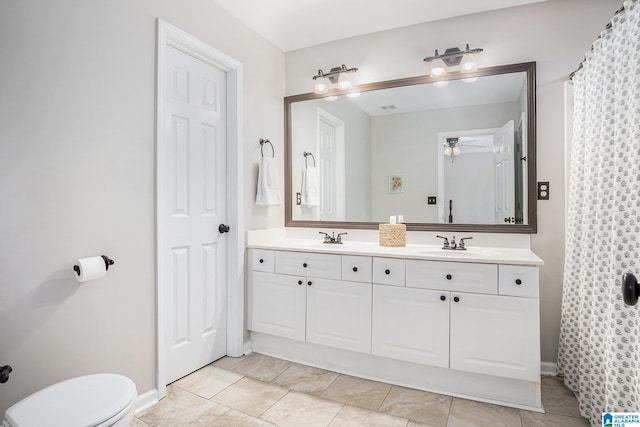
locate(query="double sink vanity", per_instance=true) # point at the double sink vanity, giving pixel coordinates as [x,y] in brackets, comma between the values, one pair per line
[464,323]
[459,322]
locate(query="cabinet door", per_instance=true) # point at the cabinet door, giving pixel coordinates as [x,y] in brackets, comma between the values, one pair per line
[411,324]
[339,314]
[278,305]
[495,335]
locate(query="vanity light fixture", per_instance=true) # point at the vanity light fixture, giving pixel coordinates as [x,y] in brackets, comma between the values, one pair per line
[323,81]
[453,57]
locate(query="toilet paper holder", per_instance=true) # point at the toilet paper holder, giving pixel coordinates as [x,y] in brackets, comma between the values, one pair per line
[107,262]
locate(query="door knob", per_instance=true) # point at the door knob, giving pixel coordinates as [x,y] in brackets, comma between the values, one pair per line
[630,289]
[223,228]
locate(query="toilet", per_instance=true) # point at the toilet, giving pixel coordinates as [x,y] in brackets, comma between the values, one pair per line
[98,400]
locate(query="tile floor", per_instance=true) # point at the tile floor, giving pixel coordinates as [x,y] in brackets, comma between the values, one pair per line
[257,390]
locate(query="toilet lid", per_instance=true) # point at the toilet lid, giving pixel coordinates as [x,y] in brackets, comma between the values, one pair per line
[82,401]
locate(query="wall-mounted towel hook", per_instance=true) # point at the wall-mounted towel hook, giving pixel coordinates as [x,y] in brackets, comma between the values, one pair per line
[305,154]
[107,263]
[266,141]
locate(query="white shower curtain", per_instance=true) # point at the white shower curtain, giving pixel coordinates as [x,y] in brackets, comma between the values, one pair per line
[599,351]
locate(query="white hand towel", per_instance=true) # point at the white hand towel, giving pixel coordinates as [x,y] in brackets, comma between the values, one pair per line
[268,187]
[310,192]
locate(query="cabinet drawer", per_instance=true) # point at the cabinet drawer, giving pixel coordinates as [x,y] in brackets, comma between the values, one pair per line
[518,281]
[309,264]
[388,271]
[453,276]
[261,260]
[356,268]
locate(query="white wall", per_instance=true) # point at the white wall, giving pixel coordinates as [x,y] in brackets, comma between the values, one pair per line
[556,34]
[77,100]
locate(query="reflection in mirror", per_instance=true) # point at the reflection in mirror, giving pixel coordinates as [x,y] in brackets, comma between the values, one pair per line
[453,154]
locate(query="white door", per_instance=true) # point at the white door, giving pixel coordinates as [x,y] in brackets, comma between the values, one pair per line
[505,173]
[411,324]
[331,167]
[339,314]
[191,192]
[495,335]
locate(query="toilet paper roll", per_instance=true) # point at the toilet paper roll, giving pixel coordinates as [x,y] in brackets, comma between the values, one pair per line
[91,269]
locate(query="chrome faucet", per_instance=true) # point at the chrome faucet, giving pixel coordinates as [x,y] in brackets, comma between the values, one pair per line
[453,246]
[461,245]
[332,239]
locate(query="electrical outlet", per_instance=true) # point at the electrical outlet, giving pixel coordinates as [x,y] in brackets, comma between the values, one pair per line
[431,200]
[543,190]
[298,199]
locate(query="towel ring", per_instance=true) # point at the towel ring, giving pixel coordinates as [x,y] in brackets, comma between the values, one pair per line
[305,154]
[266,141]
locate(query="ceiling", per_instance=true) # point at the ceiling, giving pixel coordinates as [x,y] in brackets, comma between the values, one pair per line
[295,24]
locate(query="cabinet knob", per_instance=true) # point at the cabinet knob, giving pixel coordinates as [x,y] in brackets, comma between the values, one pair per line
[456,299]
[449,277]
[309,283]
[299,282]
[355,269]
[518,282]
[443,298]
[304,265]
[261,260]
[387,271]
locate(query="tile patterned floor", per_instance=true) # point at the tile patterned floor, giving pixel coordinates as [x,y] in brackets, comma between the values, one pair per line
[258,390]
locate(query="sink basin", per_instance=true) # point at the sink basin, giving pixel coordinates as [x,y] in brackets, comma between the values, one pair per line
[470,252]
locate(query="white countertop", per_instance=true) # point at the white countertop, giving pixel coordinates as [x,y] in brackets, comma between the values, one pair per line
[486,255]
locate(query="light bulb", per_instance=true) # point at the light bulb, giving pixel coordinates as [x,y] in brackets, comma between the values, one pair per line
[331,98]
[321,87]
[456,151]
[441,83]
[447,151]
[344,84]
[438,68]
[468,63]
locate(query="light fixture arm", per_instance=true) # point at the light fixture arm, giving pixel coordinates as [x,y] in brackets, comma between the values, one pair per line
[335,72]
[452,56]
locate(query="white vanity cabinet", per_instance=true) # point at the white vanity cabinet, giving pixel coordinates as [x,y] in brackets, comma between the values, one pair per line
[464,326]
[311,308]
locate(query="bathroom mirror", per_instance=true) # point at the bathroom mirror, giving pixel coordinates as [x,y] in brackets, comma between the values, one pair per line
[456,154]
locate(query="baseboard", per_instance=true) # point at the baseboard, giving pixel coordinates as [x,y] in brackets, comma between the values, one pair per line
[146,400]
[549,368]
[247,348]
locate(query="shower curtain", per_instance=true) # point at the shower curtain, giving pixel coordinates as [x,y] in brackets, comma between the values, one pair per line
[599,351]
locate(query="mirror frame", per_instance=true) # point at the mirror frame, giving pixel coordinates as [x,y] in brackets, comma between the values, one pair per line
[529,228]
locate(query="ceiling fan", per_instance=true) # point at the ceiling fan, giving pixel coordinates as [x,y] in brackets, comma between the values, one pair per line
[452,145]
